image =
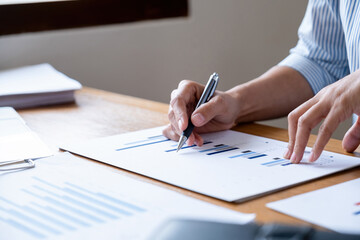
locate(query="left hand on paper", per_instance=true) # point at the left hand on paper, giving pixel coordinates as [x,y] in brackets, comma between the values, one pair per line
[334,103]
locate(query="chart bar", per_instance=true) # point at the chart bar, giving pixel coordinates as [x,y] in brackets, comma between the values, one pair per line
[220,146]
[96,201]
[222,151]
[47,217]
[23,228]
[145,140]
[257,156]
[244,153]
[67,207]
[79,203]
[63,215]
[104,196]
[37,213]
[30,220]
[174,149]
[122,203]
[141,145]
[275,162]
[286,164]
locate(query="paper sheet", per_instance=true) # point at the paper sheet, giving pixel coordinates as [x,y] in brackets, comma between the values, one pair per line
[65,197]
[231,166]
[17,141]
[336,207]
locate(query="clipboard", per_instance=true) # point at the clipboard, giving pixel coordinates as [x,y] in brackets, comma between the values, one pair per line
[19,165]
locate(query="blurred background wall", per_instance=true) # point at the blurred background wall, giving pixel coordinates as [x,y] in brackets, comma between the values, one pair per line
[240,39]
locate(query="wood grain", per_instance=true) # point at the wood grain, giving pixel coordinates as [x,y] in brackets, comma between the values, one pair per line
[98,113]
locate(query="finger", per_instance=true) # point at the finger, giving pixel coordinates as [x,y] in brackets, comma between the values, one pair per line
[198,139]
[169,133]
[178,110]
[330,124]
[176,132]
[208,111]
[293,120]
[173,94]
[187,86]
[352,137]
[180,113]
[173,122]
[191,140]
[182,99]
[306,123]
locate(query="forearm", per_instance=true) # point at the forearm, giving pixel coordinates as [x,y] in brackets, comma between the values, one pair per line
[273,94]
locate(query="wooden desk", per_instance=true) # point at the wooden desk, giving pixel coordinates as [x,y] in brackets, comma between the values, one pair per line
[98,113]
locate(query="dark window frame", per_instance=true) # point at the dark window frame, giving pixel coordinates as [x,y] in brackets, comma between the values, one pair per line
[34,17]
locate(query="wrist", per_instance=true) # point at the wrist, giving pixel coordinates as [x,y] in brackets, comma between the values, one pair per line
[242,106]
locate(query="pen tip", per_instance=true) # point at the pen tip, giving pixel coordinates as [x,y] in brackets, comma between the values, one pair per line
[181,142]
[178,147]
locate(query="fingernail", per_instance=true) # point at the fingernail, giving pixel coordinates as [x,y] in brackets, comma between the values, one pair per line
[180,124]
[287,154]
[190,141]
[198,119]
[293,157]
[312,157]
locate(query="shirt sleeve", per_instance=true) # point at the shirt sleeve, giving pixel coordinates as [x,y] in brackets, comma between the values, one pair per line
[320,54]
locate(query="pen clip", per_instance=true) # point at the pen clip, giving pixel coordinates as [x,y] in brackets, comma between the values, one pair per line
[215,77]
[209,89]
[28,164]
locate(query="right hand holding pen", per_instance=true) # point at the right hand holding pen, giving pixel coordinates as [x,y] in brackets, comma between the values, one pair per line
[217,114]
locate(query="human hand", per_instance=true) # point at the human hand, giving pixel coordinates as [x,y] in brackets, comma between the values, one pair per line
[334,103]
[217,114]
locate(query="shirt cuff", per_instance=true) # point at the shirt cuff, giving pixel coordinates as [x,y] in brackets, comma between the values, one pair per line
[316,76]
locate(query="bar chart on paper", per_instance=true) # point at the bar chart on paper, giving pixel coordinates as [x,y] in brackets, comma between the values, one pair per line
[357,211]
[54,209]
[328,205]
[58,199]
[231,166]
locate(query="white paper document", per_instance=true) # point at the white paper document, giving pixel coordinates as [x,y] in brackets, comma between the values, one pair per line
[36,85]
[17,141]
[231,166]
[336,207]
[65,197]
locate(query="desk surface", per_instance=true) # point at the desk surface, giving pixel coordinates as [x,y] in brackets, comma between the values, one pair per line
[98,113]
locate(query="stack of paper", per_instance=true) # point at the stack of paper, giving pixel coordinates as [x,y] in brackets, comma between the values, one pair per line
[36,85]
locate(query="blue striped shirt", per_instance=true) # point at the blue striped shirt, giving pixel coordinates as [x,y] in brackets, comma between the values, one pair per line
[329,42]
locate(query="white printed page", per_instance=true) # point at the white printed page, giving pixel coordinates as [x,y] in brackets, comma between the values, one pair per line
[231,166]
[65,197]
[336,207]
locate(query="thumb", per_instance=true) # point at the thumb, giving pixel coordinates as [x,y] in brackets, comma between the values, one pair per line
[351,139]
[208,111]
